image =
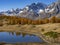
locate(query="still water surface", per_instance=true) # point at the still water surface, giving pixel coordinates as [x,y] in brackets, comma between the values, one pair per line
[15,37]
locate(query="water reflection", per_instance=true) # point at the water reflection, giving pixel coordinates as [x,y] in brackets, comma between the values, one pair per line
[19,33]
[14,37]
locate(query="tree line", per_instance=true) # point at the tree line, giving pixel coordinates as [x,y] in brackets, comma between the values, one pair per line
[19,20]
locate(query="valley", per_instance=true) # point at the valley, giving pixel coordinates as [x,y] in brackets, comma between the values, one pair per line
[37,18]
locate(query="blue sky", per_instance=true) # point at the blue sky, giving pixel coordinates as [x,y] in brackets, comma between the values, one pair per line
[8,4]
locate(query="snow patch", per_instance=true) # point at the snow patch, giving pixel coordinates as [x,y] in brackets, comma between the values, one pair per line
[41,11]
[21,12]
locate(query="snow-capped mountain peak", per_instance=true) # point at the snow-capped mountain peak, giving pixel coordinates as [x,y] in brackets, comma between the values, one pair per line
[36,11]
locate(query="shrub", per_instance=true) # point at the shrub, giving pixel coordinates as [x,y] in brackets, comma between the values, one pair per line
[51,34]
[1,23]
[42,30]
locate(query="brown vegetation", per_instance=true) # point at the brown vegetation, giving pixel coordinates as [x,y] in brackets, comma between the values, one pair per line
[18,20]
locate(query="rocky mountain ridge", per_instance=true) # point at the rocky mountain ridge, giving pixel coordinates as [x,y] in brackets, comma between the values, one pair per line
[36,11]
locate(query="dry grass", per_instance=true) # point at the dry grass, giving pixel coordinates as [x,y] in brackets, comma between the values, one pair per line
[46,27]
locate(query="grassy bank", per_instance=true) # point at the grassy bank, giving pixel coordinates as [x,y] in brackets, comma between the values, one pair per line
[52,28]
[40,28]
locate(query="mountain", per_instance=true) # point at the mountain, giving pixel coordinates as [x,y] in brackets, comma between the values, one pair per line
[11,12]
[53,9]
[50,10]
[36,11]
[31,11]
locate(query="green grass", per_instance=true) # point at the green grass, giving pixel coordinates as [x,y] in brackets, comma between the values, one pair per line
[51,34]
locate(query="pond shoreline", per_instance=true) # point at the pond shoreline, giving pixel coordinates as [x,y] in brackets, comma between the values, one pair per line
[36,29]
[24,44]
[30,44]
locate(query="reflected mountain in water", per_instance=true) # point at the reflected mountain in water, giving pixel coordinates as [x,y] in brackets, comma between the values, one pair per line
[17,37]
